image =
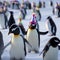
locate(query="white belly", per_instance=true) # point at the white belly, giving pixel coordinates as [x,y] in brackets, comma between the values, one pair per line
[48,26]
[32,37]
[52,54]
[2,21]
[17,48]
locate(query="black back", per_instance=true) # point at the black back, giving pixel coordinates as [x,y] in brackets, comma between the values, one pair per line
[11,19]
[22,28]
[24,45]
[51,21]
[53,25]
[52,42]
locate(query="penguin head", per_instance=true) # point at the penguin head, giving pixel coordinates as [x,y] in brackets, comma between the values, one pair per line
[54,42]
[11,12]
[49,18]
[14,29]
[33,22]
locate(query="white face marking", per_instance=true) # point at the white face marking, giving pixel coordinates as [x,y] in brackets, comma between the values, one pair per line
[14,28]
[56,41]
[12,25]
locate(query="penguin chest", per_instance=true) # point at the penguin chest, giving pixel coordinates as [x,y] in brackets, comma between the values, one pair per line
[32,37]
[48,26]
[17,48]
[2,20]
[52,54]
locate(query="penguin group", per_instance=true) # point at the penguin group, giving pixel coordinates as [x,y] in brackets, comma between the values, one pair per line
[18,42]
[19,37]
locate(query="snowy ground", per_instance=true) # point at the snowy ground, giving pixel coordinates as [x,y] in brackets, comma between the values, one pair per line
[44,39]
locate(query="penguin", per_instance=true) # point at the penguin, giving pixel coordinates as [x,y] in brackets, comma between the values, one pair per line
[43,3]
[22,29]
[1,44]
[6,13]
[35,18]
[51,3]
[51,26]
[33,36]
[18,46]
[11,19]
[53,11]
[2,18]
[40,4]
[58,8]
[50,51]
[38,13]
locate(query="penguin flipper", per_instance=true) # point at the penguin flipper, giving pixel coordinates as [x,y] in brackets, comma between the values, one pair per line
[7,45]
[26,41]
[42,33]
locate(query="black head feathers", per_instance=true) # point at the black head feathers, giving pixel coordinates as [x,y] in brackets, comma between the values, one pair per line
[49,17]
[11,12]
[14,29]
[11,19]
[54,41]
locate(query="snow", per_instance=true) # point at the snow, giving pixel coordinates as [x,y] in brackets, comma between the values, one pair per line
[44,39]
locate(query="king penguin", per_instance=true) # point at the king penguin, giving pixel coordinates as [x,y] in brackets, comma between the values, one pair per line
[50,51]
[18,47]
[33,36]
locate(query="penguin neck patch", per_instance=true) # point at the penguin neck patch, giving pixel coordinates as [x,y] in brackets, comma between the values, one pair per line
[31,29]
[16,36]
